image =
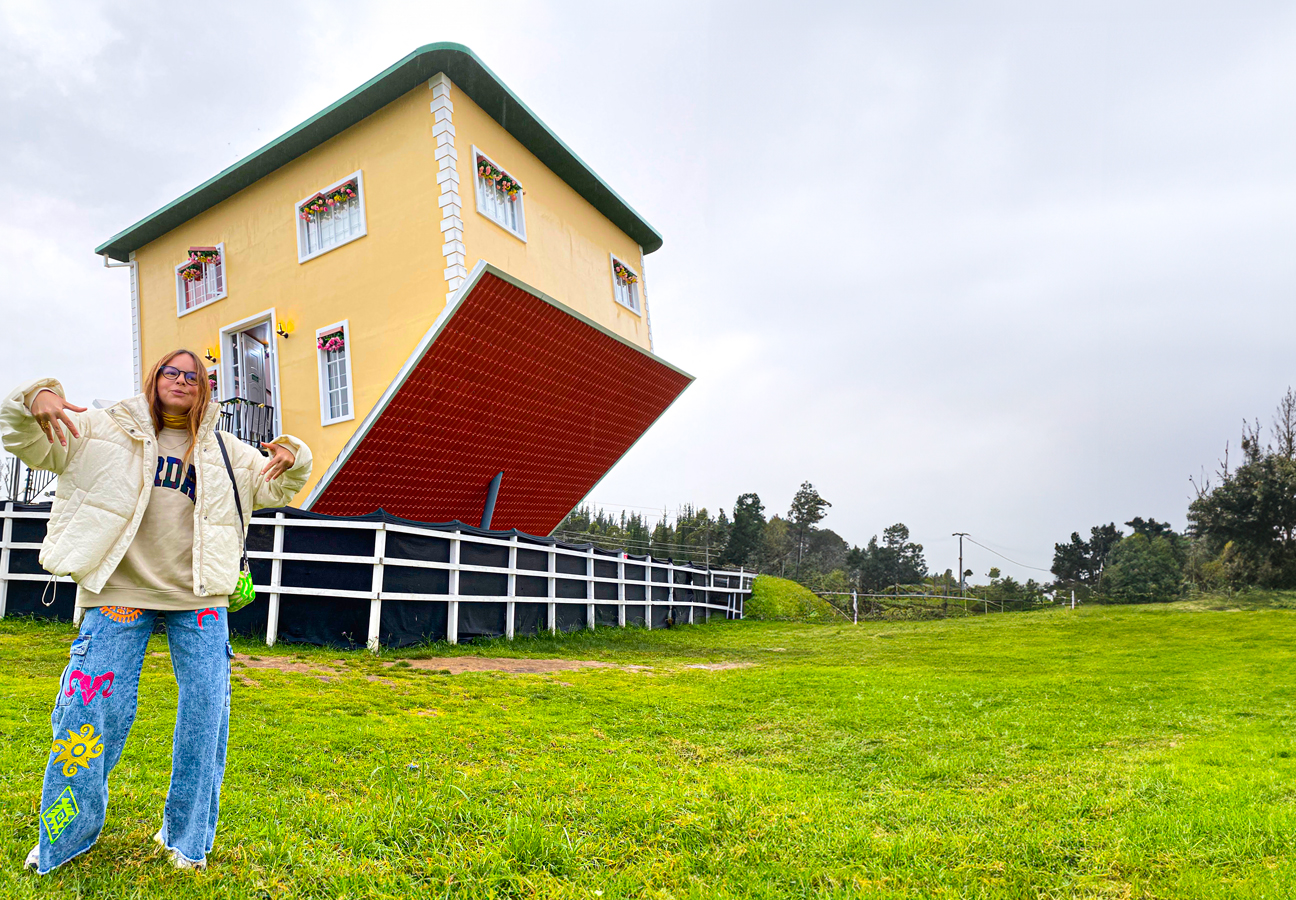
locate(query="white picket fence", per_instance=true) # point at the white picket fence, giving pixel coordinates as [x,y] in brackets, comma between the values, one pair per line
[693,593]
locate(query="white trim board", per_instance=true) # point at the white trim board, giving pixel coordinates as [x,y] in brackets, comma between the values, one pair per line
[450,201]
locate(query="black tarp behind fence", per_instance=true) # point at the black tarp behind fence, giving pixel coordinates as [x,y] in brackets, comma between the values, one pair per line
[352,581]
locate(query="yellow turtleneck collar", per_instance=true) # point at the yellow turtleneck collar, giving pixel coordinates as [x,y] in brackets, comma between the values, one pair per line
[178,422]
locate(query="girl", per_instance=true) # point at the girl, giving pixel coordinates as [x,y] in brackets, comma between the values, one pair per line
[144,520]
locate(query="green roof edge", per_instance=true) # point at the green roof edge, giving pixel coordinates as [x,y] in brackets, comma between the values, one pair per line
[468,73]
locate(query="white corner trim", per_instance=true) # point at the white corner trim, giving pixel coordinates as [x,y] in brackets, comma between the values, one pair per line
[135,323]
[450,202]
[643,297]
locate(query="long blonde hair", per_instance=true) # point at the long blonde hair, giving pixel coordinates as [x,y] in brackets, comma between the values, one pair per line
[196,412]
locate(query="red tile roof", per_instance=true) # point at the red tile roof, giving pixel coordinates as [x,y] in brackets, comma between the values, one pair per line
[513,381]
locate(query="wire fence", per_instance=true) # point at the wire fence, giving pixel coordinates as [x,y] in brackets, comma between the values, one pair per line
[857,605]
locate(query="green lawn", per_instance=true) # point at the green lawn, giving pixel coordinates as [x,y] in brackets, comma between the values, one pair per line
[1105,752]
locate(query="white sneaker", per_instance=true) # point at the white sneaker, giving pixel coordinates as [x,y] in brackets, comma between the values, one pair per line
[33,859]
[174,855]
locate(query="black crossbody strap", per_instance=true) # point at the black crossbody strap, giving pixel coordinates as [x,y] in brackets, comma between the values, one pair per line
[238,504]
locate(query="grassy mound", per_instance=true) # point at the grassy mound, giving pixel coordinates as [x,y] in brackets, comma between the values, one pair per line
[778,598]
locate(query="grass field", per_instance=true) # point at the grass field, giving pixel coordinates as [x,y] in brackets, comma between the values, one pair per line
[1105,752]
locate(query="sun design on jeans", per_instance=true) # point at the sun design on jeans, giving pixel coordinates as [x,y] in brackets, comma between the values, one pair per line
[123,614]
[78,751]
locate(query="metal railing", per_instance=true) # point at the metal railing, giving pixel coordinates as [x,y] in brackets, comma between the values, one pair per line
[21,483]
[452,564]
[250,422]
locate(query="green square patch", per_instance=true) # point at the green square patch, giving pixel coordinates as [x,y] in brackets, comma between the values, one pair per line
[60,814]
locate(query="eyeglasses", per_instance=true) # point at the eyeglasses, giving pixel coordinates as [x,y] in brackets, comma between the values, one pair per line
[171,373]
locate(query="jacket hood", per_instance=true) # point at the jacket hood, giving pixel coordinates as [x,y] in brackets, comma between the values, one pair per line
[133,412]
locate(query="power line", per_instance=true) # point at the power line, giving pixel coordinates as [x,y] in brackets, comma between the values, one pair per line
[1013,561]
[595,503]
[616,539]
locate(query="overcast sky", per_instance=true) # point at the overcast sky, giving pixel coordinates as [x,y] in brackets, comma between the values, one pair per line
[1009,269]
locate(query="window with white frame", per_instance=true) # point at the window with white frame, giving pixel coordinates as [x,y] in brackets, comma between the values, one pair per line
[334,373]
[625,285]
[499,195]
[331,218]
[200,278]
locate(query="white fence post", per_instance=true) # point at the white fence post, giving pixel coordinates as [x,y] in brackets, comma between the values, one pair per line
[553,584]
[648,592]
[511,605]
[6,535]
[670,591]
[589,589]
[276,575]
[375,605]
[452,609]
[621,591]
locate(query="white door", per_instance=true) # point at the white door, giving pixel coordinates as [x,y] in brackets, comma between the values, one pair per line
[253,354]
[248,368]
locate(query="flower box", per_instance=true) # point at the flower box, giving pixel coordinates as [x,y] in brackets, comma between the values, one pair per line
[491,172]
[334,340]
[325,201]
[624,274]
[199,259]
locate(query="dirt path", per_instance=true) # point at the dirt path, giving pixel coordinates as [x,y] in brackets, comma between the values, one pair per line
[456,665]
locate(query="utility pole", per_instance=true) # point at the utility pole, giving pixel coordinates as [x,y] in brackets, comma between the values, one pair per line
[960,535]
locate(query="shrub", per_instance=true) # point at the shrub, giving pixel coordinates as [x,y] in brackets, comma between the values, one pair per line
[1143,571]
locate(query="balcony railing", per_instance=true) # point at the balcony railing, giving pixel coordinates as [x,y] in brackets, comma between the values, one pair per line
[250,422]
[20,483]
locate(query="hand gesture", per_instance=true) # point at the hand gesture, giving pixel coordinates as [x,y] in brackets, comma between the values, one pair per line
[281,460]
[49,409]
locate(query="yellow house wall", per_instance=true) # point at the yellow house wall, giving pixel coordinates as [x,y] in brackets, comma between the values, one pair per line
[389,285]
[568,241]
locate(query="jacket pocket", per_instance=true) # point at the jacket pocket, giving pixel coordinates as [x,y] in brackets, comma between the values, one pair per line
[61,514]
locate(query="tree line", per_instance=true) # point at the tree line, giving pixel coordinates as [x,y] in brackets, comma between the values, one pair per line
[1241,530]
[791,546]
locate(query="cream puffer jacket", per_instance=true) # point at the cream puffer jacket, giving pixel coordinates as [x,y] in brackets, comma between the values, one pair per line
[105,477]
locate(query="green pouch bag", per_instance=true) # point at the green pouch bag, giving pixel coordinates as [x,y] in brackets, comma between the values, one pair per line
[244,592]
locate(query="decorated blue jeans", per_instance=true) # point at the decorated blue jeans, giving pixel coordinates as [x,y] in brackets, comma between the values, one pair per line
[93,715]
